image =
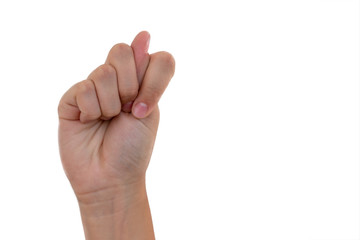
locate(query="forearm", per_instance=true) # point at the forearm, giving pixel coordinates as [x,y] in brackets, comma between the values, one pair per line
[124,216]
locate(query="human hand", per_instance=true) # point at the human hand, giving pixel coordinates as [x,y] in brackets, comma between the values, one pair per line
[106,133]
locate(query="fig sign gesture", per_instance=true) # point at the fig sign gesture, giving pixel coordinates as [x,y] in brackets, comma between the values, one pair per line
[107,129]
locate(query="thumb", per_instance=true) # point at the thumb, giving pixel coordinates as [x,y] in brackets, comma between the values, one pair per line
[140,46]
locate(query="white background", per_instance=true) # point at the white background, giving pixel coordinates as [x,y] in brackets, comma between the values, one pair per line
[259,130]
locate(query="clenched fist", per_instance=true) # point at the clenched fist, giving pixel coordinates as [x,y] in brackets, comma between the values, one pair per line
[107,129]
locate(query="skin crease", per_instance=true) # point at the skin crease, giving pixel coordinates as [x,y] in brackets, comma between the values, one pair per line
[105,149]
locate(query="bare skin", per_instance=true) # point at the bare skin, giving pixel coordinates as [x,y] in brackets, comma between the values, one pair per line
[107,129]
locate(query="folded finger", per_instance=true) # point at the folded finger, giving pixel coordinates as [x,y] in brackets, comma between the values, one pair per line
[122,59]
[105,81]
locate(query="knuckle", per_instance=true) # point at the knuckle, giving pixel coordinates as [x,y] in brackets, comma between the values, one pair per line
[105,71]
[86,91]
[121,50]
[85,87]
[166,60]
[154,92]
[131,93]
[128,94]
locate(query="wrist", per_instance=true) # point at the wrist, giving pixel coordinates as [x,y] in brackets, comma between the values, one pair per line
[116,213]
[110,200]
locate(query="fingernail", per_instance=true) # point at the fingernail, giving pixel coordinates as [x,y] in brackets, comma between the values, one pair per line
[140,110]
[127,106]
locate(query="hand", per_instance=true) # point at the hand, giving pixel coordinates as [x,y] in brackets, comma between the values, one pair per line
[108,122]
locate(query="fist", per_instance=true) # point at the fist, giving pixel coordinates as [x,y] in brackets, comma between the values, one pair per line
[108,122]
